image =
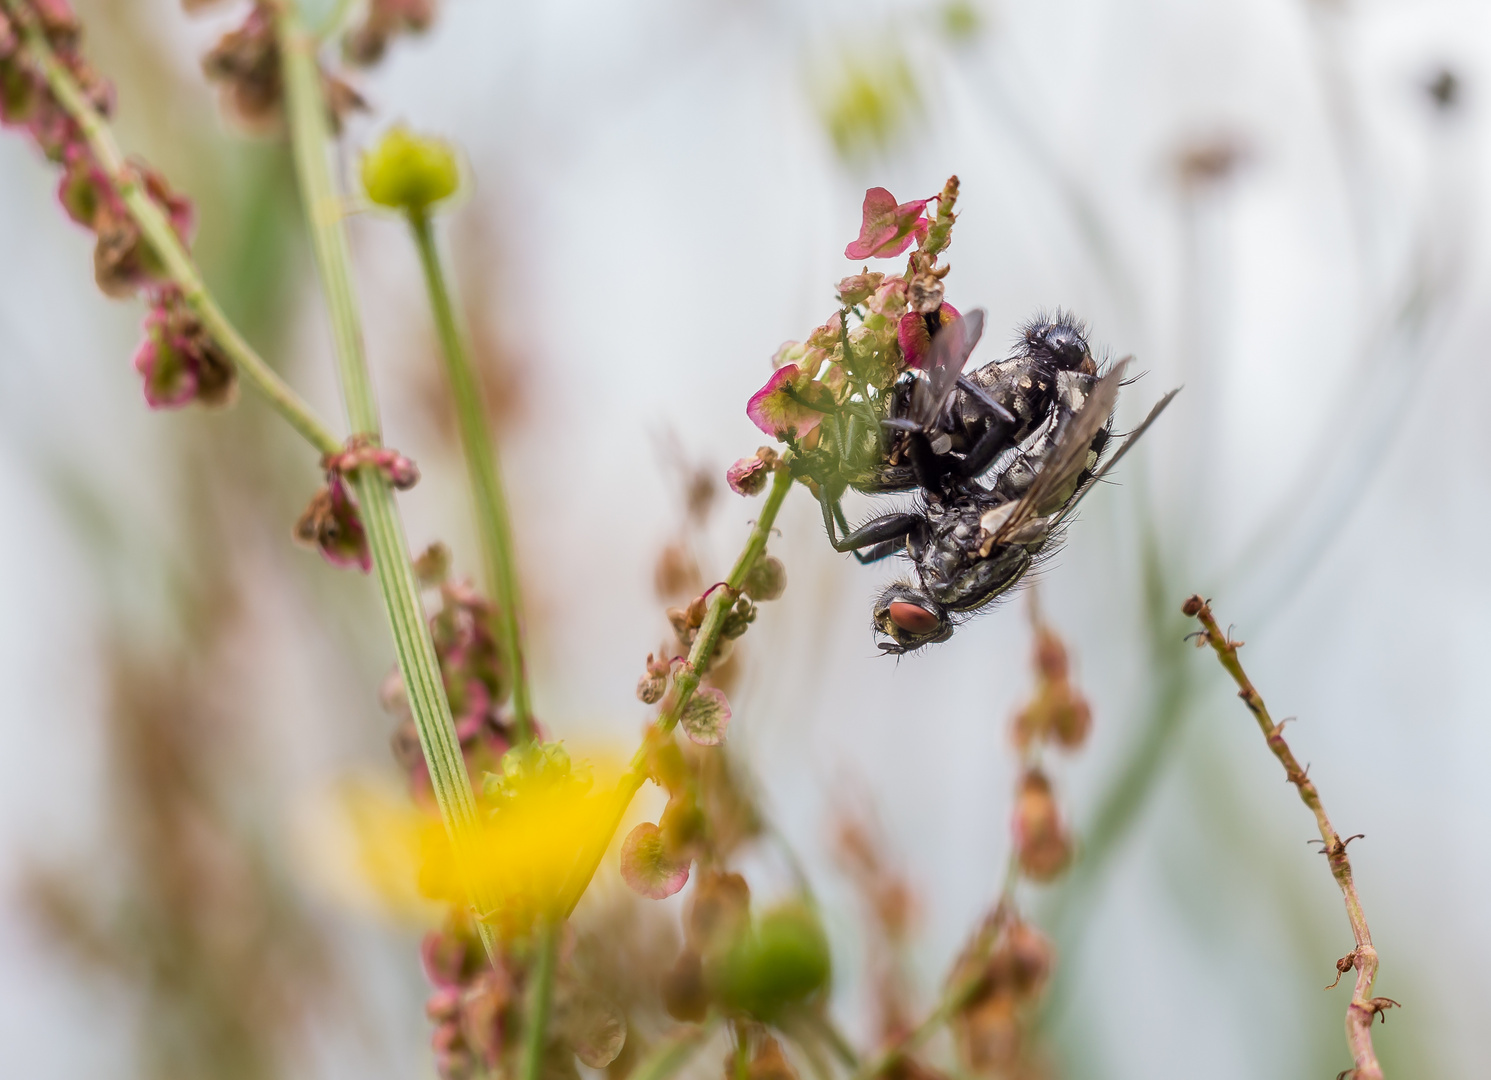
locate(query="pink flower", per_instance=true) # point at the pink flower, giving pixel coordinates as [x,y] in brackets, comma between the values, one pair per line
[401,472]
[178,361]
[888,228]
[826,337]
[748,476]
[857,288]
[333,524]
[778,408]
[915,339]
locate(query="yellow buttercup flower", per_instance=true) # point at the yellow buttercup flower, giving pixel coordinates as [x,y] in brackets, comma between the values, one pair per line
[540,816]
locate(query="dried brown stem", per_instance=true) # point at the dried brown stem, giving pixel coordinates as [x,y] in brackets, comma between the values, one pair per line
[1364,1007]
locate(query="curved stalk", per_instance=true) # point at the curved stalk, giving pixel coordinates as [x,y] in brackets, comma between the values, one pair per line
[167,245]
[1364,1008]
[685,682]
[484,470]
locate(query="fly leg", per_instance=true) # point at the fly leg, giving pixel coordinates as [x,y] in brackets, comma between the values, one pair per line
[884,535]
[992,442]
[982,396]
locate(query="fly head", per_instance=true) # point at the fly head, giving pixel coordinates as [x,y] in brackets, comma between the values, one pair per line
[910,618]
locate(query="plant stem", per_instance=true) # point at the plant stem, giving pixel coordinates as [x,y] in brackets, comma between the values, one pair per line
[686,681]
[493,524]
[166,244]
[673,1054]
[540,997]
[1364,1007]
[955,998]
[418,664]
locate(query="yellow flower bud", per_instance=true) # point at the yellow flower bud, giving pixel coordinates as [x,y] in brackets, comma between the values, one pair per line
[410,172]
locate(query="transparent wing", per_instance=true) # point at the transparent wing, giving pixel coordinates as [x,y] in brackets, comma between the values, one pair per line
[951,348]
[1069,457]
[1133,437]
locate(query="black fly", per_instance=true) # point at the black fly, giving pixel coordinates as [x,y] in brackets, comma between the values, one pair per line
[1038,422]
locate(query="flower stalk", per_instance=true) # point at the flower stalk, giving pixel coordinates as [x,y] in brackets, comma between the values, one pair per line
[418,664]
[687,680]
[494,526]
[540,1000]
[1364,1008]
[162,238]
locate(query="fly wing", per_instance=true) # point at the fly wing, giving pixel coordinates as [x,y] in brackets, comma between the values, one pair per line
[950,350]
[1068,458]
[1133,437]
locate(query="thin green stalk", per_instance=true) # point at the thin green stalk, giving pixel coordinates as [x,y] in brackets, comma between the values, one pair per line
[166,244]
[954,1000]
[493,525]
[540,998]
[309,134]
[673,1054]
[685,682]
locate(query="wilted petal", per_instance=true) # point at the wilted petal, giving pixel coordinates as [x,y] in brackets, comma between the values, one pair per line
[646,865]
[887,228]
[706,716]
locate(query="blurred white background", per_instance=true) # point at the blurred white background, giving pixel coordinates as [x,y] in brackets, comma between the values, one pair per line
[1261,200]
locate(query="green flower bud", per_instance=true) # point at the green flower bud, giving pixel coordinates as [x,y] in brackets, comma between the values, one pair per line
[410,172]
[781,962]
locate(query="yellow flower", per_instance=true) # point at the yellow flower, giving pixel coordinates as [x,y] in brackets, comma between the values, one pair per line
[540,818]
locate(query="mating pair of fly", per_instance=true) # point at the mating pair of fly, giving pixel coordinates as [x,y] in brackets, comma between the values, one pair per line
[999,459]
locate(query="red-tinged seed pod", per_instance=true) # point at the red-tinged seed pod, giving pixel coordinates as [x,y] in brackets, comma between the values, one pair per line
[1042,844]
[1050,655]
[1071,720]
[683,990]
[695,612]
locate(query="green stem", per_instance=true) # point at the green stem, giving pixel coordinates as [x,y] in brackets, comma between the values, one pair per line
[540,997]
[742,1070]
[954,1000]
[493,525]
[334,20]
[685,682]
[166,244]
[418,664]
[673,1054]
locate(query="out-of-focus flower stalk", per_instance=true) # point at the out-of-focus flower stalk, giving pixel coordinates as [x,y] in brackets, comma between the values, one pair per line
[952,1002]
[494,525]
[165,242]
[540,999]
[1364,1008]
[309,135]
[672,1054]
[687,680]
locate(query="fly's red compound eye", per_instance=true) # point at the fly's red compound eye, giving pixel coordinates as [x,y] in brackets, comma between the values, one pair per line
[912,618]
